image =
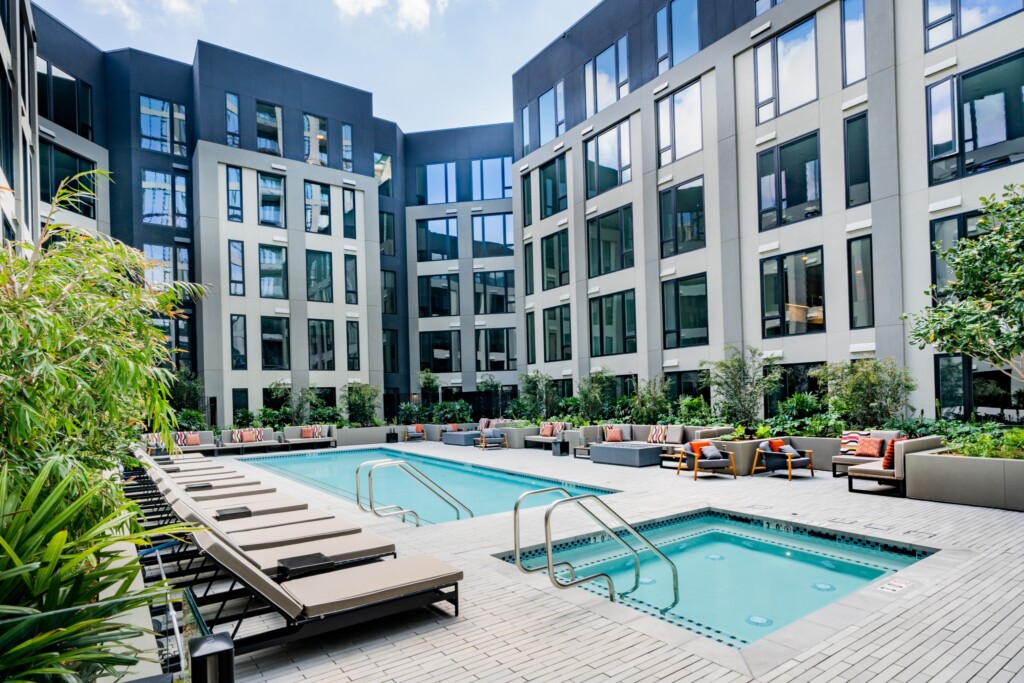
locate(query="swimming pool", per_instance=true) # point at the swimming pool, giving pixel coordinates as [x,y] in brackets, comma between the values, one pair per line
[740,577]
[484,490]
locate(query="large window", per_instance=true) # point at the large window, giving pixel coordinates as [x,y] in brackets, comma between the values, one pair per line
[496,350]
[390,343]
[492,178]
[164,199]
[64,99]
[793,294]
[437,239]
[435,184]
[275,343]
[606,77]
[321,344]
[273,272]
[947,232]
[234,193]
[268,128]
[494,292]
[167,264]
[554,260]
[684,306]
[862,284]
[346,147]
[789,187]
[493,235]
[610,242]
[388,292]
[525,121]
[680,121]
[352,344]
[854,59]
[949,19]
[762,6]
[989,133]
[682,218]
[162,126]
[239,354]
[236,268]
[557,333]
[613,324]
[796,379]
[271,199]
[554,195]
[527,200]
[351,280]
[528,272]
[314,139]
[318,208]
[786,68]
[439,295]
[551,107]
[687,383]
[531,338]
[387,233]
[608,160]
[965,387]
[382,172]
[858,166]
[348,214]
[675,32]
[57,165]
[232,127]
[441,351]
[319,277]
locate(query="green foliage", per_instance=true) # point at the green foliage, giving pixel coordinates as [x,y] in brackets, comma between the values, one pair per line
[737,434]
[448,412]
[190,420]
[521,409]
[650,401]
[596,394]
[537,397]
[491,389]
[763,431]
[804,415]
[429,385]
[186,390]
[244,418]
[692,410]
[867,393]
[740,382]
[982,314]
[323,415]
[361,402]
[409,414]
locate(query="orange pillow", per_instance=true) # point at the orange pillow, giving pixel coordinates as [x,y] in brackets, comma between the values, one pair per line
[776,445]
[418,428]
[547,429]
[696,446]
[192,439]
[889,461]
[454,427]
[869,448]
[306,433]
[248,436]
[614,436]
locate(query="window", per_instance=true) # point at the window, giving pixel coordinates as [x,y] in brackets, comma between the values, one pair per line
[496,350]
[989,133]
[557,334]
[679,124]
[862,286]
[687,383]
[608,160]
[164,199]
[439,295]
[528,266]
[494,292]
[314,139]
[531,338]
[796,379]
[239,356]
[762,6]
[63,99]
[273,272]
[346,147]
[613,324]
[527,200]
[858,167]
[684,307]
[948,231]
[236,268]
[389,292]
[682,218]
[793,294]
[321,344]
[965,388]
[167,264]
[348,214]
[352,341]
[319,282]
[234,193]
[318,208]
[57,165]
[676,36]
[271,198]
[178,339]
[493,235]
[6,130]
[554,260]
[276,346]
[492,178]
[437,239]
[525,120]
[351,280]
[239,401]
[268,128]
[441,351]
[606,77]
[435,184]
[553,188]
[562,387]
[948,19]
[382,172]
[786,69]
[231,121]
[551,108]
[610,242]
[789,190]
[162,126]
[854,59]
[390,343]
[387,233]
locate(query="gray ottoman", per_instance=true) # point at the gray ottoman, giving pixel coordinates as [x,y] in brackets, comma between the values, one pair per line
[626,454]
[460,438]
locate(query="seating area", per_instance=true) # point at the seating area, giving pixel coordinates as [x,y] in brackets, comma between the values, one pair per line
[246,440]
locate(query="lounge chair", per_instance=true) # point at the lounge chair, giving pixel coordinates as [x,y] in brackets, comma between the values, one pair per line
[262,523]
[264,504]
[199,478]
[492,438]
[300,532]
[412,435]
[788,458]
[702,463]
[337,550]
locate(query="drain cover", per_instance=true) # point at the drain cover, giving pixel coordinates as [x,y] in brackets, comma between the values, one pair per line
[823,587]
[714,557]
[647,581]
[755,620]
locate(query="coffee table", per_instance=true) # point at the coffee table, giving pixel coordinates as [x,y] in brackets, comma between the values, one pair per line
[626,454]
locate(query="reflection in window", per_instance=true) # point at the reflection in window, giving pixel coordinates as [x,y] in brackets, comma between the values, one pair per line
[528,266]
[314,139]
[613,324]
[948,19]
[493,235]
[789,190]
[62,98]
[271,199]
[388,292]
[437,239]
[554,259]
[557,334]
[554,195]
[57,165]
[232,126]
[387,233]
[239,354]
[676,35]
[610,242]
[234,193]
[492,178]
[687,383]
[441,351]
[276,345]
[156,198]
[321,344]
[273,272]
[762,6]
[682,218]
[318,208]
[525,120]
[854,59]
[684,306]
[494,292]
[346,147]
[438,295]
[352,343]
[796,379]
[527,199]
[236,268]
[608,160]
[793,294]
[947,232]
[862,285]
[496,350]
[606,77]
[159,270]
[390,343]
[382,172]
[268,128]
[531,338]
[351,280]
[319,280]
[679,124]
[786,68]
[435,184]
[858,167]
[551,108]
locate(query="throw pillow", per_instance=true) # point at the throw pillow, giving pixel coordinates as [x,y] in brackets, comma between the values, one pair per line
[869,448]
[557,427]
[710,453]
[248,436]
[483,424]
[547,429]
[454,427]
[179,438]
[192,439]
[418,428]
[306,433]
[318,431]
[614,436]
[698,446]
[889,460]
[790,450]
[657,434]
[848,442]
[258,433]
[776,445]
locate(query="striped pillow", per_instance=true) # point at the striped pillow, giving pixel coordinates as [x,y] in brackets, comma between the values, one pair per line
[559,427]
[318,431]
[179,438]
[849,440]
[657,434]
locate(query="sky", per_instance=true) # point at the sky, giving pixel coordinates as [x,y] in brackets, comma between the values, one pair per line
[429,63]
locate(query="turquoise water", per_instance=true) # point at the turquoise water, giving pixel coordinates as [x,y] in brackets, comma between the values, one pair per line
[738,580]
[484,490]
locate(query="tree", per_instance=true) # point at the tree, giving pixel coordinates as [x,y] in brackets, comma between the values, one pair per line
[650,402]
[537,396]
[740,381]
[981,312]
[360,401]
[186,390]
[867,393]
[489,386]
[430,385]
[596,393]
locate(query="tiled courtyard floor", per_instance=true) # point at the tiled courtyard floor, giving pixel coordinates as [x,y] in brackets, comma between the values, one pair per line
[961,618]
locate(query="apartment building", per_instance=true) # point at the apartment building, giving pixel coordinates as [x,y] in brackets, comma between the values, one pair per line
[19,141]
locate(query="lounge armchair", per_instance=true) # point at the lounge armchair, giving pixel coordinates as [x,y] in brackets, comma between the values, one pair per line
[412,435]
[492,438]
[787,458]
[319,436]
[712,461]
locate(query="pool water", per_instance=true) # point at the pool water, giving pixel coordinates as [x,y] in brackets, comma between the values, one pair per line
[738,578]
[483,490]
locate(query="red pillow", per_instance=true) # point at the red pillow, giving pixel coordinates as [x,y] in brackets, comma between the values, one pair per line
[776,445]
[192,439]
[889,461]
[696,446]
[869,448]
[248,436]
[306,433]
[454,427]
[547,429]
[613,436]
[418,428]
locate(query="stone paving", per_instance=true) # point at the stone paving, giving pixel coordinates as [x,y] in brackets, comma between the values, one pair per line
[961,618]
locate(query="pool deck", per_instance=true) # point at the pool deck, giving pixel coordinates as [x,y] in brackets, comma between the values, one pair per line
[960,616]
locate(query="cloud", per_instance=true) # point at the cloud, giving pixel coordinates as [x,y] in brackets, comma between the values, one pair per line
[407,15]
[174,12]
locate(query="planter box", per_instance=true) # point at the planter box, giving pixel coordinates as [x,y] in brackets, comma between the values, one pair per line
[986,482]
[363,436]
[743,452]
[825,448]
[516,435]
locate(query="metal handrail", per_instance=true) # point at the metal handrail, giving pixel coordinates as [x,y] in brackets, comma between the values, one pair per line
[416,475]
[515,530]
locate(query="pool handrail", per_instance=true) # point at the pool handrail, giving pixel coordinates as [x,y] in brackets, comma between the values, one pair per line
[416,475]
[515,530]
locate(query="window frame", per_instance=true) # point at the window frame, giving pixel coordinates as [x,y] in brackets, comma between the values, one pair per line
[675,284]
[232,138]
[850,273]
[331,363]
[962,222]
[669,58]
[620,52]
[561,200]
[352,361]
[673,192]
[287,344]
[480,280]
[559,238]
[451,234]
[531,338]
[623,164]
[847,122]
[672,148]
[238,217]
[279,116]
[511,353]
[284,270]
[842,34]
[312,255]
[323,157]
[232,282]
[386,309]
[175,147]
[781,292]
[232,319]
[562,316]
[776,153]
[388,368]
[349,228]
[478,180]
[774,99]
[451,183]
[480,246]
[625,237]
[311,219]
[284,200]
[455,342]
[626,337]
[954,18]
[351,294]
[425,287]
[526,199]
[385,241]
[347,147]
[529,271]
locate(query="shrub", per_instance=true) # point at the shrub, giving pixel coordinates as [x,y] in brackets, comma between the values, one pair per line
[867,393]
[244,418]
[452,412]
[409,414]
[430,385]
[186,390]
[693,411]
[360,401]
[596,394]
[326,415]
[537,397]
[649,402]
[190,420]
[740,382]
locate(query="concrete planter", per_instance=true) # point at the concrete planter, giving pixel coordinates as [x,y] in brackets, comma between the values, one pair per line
[986,482]
[516,435]
[364,436]
[824,449]
[743,453]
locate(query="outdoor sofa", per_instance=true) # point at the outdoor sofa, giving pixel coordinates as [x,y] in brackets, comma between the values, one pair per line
[263,439]
[846,461]
[557,434]
[316,436]
[892,474]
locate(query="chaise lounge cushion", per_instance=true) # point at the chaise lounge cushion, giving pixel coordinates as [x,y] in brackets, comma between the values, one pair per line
[286,535]
[872,470]
[345,548]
